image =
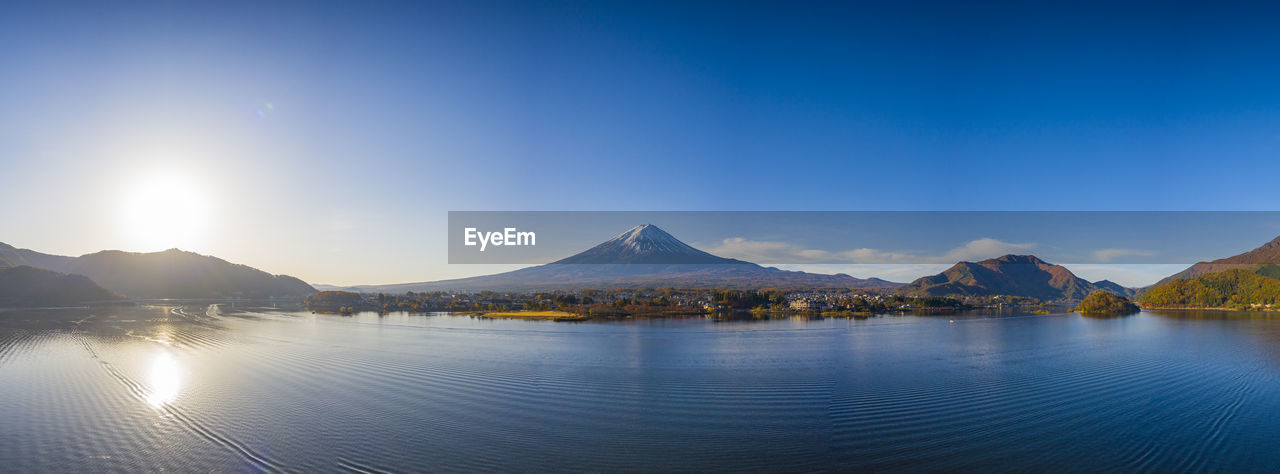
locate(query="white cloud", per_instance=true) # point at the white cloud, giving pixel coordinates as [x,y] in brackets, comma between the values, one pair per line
[901,273]
[1107,255]
[766,251]
[865,255]
[984,248]
[771,252]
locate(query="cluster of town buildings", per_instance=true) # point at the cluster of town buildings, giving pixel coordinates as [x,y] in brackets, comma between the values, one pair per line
[707,299]
[824,301]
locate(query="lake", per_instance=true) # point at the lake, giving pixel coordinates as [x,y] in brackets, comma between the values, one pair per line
[234,388]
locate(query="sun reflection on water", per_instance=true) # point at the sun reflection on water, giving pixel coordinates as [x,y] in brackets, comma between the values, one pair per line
[164,380]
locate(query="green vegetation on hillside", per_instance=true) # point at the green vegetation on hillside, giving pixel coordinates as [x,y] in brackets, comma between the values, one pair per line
[1269,270]
[1106,303]
[1236,288]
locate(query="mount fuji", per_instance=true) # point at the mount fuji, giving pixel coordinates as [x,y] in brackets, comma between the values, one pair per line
[644,256]
[646,244]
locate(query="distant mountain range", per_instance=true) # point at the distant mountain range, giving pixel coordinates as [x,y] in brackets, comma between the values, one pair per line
[642,257]
[169,274]
[1014,275]
[30,286]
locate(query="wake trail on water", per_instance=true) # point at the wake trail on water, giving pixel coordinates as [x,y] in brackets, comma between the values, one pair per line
[140,392]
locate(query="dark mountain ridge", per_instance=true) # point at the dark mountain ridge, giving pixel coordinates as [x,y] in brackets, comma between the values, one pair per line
[172,273]
[24,285]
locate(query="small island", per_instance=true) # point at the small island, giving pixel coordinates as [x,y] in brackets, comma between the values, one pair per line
[339,302]
[1105,303]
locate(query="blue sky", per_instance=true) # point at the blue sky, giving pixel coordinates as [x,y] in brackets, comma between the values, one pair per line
[329,140]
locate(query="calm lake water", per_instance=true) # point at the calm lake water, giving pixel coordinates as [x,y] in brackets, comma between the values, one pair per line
[235,389]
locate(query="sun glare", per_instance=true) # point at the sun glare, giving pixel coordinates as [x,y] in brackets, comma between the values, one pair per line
[162,211]
[164,380]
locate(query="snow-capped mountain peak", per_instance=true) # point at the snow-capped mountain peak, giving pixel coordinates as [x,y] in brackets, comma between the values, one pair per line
[649,238]
[645,244]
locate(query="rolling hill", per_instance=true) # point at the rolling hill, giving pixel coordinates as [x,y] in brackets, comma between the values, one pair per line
[1014,275]
[1247,280]
[1263,260]
[169,274]
[1235,288]
[642,257]
[25,285]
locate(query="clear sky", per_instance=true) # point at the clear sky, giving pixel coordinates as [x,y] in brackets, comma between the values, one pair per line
[328,140]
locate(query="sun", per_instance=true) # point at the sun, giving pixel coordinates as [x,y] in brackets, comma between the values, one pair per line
[164,210]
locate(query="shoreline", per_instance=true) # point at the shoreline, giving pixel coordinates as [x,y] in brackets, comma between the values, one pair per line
[564,316]
[1227,309]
